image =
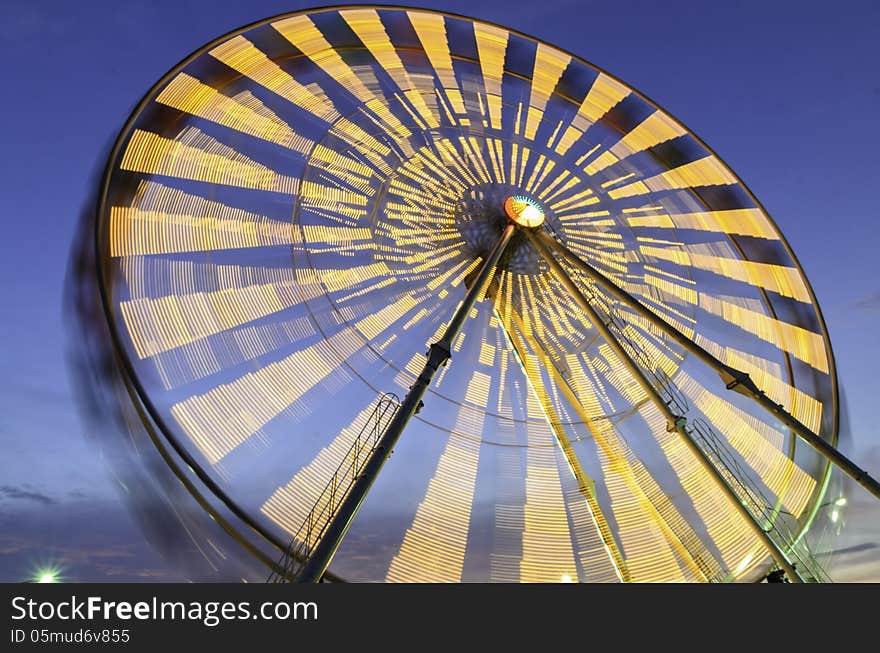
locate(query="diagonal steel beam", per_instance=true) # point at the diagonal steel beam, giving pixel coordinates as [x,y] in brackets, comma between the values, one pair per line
[439,353]
[732,378]
[702,563]
[675,422]
[586,485]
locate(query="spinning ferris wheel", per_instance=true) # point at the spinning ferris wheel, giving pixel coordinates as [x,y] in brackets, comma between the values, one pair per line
[342,234]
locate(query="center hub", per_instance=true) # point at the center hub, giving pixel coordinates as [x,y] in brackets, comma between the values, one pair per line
[481,214]
[524,211]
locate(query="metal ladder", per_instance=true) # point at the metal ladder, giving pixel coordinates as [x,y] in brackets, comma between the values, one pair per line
[776,526]
[312,529]
[677,401]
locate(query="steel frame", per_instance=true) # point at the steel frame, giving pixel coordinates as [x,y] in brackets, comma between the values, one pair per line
[675,422]
[438,355]
[440,352]
[732,378]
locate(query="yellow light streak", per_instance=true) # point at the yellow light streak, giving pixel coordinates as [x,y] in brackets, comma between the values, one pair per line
[163,220]
[241,55]
[221,419]
[727,529]
[749,437]
[604,94]
[303,34]
[655,129]
[434,546]
[799,342]
[740,222]
[549,66]
[291,503]
[491,46]
[195,155]
[431,30]
[366,24]
[597,548]
[767,375]
[787,281]
[243,112]
[707,171]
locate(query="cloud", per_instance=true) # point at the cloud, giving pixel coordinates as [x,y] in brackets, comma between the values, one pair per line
[21,494]
[99,544]
[869,302]
[39,393]
[856,548]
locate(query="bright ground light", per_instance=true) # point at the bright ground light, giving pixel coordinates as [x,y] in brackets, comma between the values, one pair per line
[47,576]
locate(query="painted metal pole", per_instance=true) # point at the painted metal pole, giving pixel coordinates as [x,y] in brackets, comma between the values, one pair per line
[586,485]
[438,354]
[733,378]
[676,422]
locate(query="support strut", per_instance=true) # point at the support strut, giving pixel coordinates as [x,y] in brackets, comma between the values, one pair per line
[438,354]
[675,422]
[733,378]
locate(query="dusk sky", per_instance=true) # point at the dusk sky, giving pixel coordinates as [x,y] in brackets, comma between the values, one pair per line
[787,93]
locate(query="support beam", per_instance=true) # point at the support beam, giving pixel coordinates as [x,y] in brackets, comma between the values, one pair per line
[700,563]
[675,422]
[439,353]
[586,485]
[733,378]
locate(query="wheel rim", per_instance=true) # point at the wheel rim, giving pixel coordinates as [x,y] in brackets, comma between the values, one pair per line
[242,328]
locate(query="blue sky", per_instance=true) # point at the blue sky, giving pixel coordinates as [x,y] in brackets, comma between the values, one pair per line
[788,93]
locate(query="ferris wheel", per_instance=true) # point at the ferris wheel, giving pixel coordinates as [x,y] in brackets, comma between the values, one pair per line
[365,239]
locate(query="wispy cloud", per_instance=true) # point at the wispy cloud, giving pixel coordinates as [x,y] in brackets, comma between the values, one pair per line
[869,302]
[100,544]
[22,494]
[856,548]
